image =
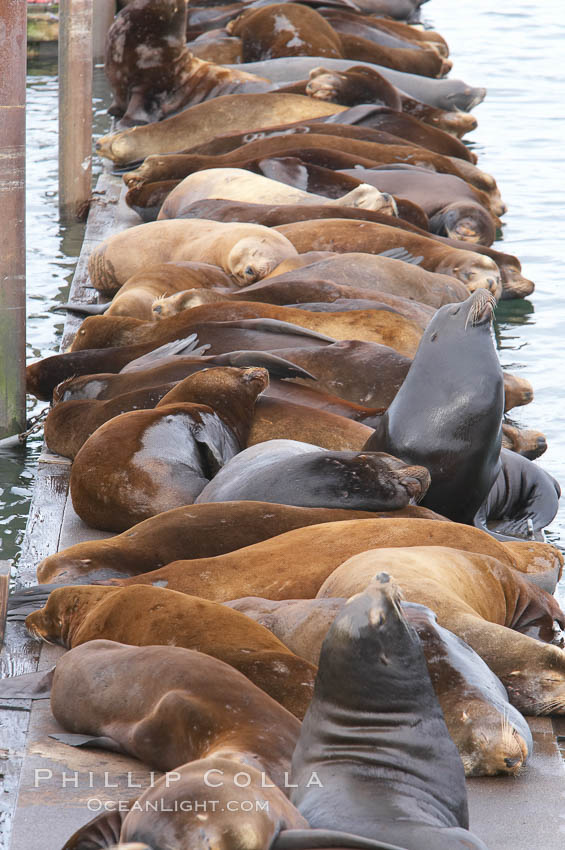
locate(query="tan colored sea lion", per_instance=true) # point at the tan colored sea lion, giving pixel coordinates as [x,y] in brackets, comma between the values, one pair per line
[147,461]
[484,603]
[345,236]
[491,735]
[155,616]
[204,121]
[380,326]
[268,568]
[201,531]
[167,705]
[246,252]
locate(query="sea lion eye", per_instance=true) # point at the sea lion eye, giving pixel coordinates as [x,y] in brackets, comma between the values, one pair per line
[249,270]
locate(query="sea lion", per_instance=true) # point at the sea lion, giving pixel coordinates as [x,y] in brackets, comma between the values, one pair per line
[491,735]
[181,826]
[522,501]
[489,606]
[380,326]
[402,780]
[291,29]
[268,568]
[180,165]
[523,441]
[197,531]
[147,461]
[136,296]
[459,404]
[447,94]
[43,376]
[246,252]
[294,473]
[288,293]
[176,716]
[454,207]
[237,184]
[155,616]
[203,121]
[151,72]
[345,236]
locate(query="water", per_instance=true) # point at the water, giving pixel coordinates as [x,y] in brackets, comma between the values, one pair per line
[516,52]
[52,252]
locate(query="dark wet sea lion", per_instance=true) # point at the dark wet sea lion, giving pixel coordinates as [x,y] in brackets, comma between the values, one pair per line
[381,326]
[346,236]
[490,734]
[502,617]
[203,122]
[176,716]
[292,473]
[401,781]
[155,616]
[523,500]
[246,252]
[147,461]
[268,568]
[459,404]
[528,443]
[196,531]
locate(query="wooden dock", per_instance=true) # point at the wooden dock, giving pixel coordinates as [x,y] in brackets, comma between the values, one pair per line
[49,789]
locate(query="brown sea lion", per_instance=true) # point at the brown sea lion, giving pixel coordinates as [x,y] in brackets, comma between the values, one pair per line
[268,810]
[179,166]
[216,46]
[268,568]
[482,602]
[155,616]
[400,780]
[528,443]
[381,326]
[174,710]
[151,72]
[197,531]
[290,293]
[490,734]
[291,29]
[204,121]
[345,236]
[246,252]
[383,30]
[147,461]
[137,295]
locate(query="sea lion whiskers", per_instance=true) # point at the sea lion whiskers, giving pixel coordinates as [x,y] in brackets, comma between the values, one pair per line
[482,308]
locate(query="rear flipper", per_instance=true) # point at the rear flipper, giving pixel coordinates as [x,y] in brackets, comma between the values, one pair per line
[29,686]
[25,602]
[83,309]
[96,742]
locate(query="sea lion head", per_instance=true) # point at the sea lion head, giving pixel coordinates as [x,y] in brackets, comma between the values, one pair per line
[253,258]
[63,613]
[488,741]
[476,271]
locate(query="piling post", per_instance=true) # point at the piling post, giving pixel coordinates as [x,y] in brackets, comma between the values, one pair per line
[75,108]
[13,57]
[105,11]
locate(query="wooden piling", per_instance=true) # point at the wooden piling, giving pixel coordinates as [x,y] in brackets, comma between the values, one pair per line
[4,590]
[75,108]
[105,11]
[13,56]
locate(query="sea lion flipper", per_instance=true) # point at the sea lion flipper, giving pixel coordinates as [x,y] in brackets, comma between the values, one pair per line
[29,686]
[187,345]
[98,742]
[401,254]
[23,602]
[277,367]
[83,309]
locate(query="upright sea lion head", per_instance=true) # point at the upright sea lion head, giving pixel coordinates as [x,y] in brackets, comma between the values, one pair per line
[253,258]
[463,322]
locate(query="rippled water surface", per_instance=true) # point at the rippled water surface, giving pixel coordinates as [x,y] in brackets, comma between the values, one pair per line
[514,49]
